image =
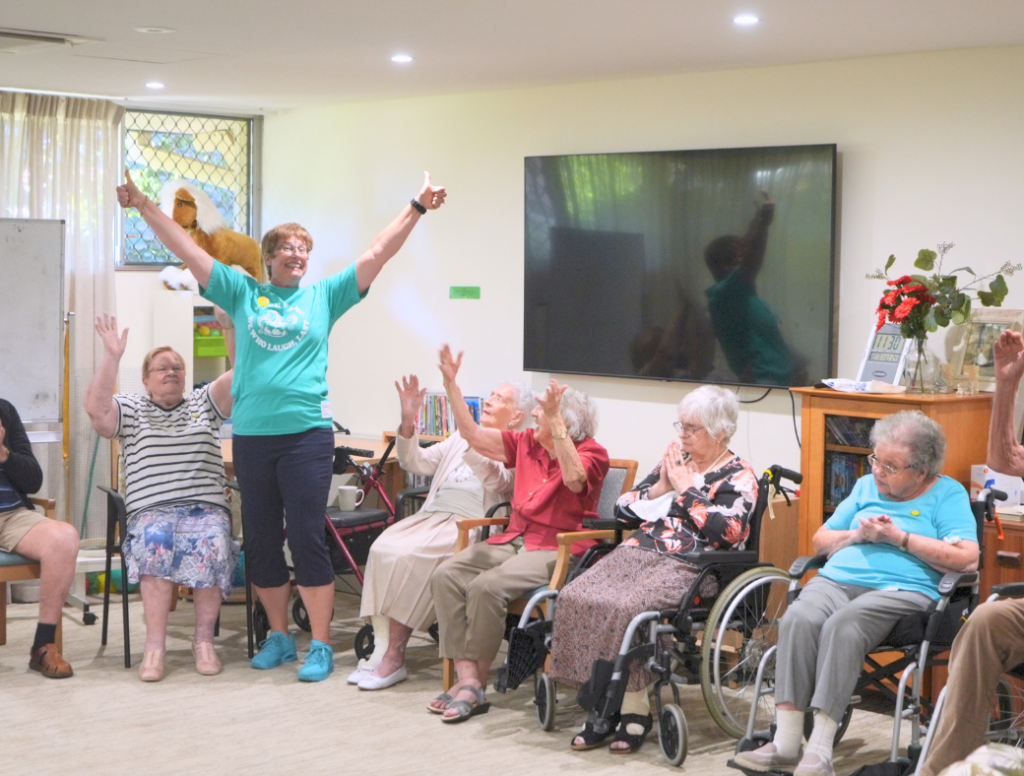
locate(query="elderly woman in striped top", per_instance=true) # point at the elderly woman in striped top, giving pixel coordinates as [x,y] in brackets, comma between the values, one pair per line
[700,496]
[179,524]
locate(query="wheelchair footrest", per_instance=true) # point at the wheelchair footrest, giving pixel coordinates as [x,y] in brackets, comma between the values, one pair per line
[527,652]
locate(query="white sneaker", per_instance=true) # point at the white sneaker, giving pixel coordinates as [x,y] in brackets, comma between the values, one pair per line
[371,682]
[363,669]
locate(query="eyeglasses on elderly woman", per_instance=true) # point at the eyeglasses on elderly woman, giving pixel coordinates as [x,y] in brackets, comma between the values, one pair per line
[685,429]
[876,464]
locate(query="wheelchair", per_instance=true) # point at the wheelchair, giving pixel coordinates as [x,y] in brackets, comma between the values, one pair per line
[923,641]
[684,640]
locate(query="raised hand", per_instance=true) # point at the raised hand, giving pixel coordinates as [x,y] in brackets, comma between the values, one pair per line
[411,396]
[431,197]
[129,195]
[106,327]
[449,365]
[551,400]
[1008,351]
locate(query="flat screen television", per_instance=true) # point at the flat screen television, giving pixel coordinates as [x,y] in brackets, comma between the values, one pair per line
[711,266]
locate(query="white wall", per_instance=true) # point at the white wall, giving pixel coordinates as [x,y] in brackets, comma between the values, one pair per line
[929,150]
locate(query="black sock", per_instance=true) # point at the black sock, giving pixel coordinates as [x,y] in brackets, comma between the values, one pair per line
[45,634]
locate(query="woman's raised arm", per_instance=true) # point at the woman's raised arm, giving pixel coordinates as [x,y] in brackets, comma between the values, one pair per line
[170,233]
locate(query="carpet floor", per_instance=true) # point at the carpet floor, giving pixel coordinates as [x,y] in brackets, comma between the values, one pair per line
[104,720]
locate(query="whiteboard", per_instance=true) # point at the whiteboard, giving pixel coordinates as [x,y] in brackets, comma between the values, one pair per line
[32,303]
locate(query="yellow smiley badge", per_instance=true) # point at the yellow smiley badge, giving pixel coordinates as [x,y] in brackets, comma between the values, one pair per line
[914,512]
[262,301]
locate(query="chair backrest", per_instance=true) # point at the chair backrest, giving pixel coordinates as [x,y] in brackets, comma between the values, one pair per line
[620,477]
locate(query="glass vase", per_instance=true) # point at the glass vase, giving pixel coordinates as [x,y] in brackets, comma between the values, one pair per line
[919,372]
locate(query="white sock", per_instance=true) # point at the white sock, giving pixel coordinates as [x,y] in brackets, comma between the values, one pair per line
[822,736]
[381,637]
[638,702]
[789,732]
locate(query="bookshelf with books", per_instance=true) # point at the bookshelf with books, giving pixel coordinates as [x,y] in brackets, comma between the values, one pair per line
[835,436]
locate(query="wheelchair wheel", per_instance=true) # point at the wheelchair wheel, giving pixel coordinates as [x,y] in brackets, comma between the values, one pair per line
[300,615]
[1006,720]
[672,734]
[364,642]
[742,625]
[544,699]
[260,623]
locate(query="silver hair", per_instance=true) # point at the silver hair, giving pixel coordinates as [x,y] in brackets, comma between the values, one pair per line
[919,434]
[579,412]
[717,409]
[523,396]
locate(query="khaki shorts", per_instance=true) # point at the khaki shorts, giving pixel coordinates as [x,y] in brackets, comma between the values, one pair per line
[15,524]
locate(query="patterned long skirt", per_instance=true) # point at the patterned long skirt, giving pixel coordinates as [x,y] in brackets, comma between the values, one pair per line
[594,610]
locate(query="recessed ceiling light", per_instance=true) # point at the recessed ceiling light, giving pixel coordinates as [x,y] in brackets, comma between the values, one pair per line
[155,30]
[401,59]
[746,20]
[154,85]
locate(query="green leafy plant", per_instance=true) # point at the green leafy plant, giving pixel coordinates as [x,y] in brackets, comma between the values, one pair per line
[920,304]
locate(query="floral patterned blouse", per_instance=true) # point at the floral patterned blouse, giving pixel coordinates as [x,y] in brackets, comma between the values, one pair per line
[716,516]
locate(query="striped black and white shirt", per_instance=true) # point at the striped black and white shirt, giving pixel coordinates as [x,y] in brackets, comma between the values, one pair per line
[171,456]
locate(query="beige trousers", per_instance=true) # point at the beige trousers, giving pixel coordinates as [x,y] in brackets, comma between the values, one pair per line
[472,591]
[991,642]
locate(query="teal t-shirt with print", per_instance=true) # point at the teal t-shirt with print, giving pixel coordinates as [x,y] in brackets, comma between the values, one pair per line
[280,380]
[944,513]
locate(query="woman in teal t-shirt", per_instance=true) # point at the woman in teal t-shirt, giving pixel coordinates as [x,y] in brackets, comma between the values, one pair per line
[283,437]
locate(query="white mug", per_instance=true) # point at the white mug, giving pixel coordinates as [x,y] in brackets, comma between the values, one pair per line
[349,497]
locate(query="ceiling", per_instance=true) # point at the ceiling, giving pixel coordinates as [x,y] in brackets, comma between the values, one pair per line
[261,56]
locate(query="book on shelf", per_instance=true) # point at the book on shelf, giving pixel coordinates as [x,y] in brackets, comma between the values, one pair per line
[436,417]
[842,470]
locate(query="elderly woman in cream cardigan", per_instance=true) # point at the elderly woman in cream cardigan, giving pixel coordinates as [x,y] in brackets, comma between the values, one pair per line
[396,589]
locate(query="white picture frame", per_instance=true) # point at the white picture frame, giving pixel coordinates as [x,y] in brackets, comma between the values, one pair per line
[979,334]
[885,355]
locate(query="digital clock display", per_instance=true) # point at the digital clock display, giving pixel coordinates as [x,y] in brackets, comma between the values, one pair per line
[886,348]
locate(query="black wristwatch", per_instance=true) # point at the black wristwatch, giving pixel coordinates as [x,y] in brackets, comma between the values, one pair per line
[418,205]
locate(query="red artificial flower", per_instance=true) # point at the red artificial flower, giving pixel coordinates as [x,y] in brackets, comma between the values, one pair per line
[881,318]
[903,310]
[900,281]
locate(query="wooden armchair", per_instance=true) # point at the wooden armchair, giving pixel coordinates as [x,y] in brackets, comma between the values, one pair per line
[18,568]
[620,477]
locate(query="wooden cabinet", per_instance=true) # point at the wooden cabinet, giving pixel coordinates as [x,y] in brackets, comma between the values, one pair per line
[1003,560]
[964,419]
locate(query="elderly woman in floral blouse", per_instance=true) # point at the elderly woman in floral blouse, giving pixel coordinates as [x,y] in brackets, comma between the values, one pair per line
[702,495]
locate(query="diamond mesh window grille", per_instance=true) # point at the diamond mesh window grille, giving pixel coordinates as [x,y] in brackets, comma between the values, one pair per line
[211,152]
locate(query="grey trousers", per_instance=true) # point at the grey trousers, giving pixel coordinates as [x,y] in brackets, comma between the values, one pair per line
[472,591]
[825,635]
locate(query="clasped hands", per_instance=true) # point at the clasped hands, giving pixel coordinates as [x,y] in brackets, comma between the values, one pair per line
[879,529]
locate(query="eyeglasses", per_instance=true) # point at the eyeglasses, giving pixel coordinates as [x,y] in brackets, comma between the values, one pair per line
[685,429]
[298,250]
[164,369]
[874,462]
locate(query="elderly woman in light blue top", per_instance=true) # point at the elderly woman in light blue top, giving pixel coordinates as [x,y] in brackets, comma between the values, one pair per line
[888,543]
[283,439]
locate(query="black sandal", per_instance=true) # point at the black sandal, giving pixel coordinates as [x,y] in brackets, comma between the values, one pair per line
[591,738]
[634,741]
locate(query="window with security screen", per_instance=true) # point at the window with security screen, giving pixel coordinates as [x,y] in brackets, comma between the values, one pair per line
[210,152]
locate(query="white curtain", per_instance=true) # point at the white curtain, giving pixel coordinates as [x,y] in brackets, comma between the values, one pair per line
[60,157]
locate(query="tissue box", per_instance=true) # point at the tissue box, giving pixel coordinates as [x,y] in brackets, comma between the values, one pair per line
[983,477]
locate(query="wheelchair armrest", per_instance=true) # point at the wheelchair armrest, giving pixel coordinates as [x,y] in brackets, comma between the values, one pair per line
[1008,590]
[951,580]
[570,538]
[721,558]
[806,563]
[233,485]
[601,524]
[403,496]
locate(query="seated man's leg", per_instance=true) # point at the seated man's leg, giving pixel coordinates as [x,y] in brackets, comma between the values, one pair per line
[55,545]
[990,643]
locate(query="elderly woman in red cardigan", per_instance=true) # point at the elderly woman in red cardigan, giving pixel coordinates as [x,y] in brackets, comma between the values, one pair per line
[559,471]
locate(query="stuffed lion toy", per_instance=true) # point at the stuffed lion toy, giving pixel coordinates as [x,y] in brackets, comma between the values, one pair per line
[193,209]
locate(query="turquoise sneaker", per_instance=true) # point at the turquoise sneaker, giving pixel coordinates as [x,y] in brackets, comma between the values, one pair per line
[277,648]
[319,662]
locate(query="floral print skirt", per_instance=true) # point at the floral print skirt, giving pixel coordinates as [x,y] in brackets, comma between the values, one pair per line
[593,611]
[187,544]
